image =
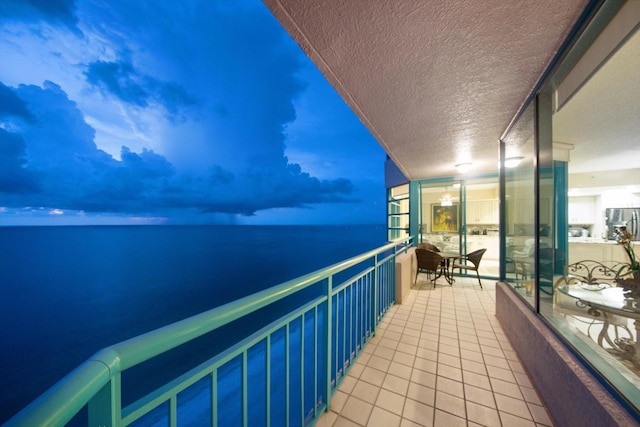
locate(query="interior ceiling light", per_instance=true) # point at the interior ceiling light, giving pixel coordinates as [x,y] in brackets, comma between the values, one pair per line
[446,199]
[463,167]
[512,162]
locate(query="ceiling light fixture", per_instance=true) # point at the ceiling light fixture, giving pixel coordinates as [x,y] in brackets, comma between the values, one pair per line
[512,162]
[446,199]
[463,167]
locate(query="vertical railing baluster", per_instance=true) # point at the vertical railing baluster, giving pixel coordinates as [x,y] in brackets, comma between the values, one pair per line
[268,382]
[350,328]
[173,411]
[101,407]
[286,374]
[363,328]
[389,283]
[367,305]
[336,339]
[390,272]
[392,279]
[385,290]
[315,362]
[344,330]
[385,266]
[214,397]
[357,317]
[381,292]
[302,370]
[327,341]
[390,276]
[245,391]
[381,295]
[375,294]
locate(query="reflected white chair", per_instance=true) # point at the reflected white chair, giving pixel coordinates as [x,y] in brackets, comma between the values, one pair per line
[593,276]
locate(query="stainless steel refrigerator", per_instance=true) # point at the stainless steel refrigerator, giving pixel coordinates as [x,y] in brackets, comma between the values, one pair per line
[623,218]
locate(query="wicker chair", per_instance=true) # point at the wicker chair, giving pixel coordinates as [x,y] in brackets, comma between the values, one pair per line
[473,262]
[429,262]
[433,248]
[428,246]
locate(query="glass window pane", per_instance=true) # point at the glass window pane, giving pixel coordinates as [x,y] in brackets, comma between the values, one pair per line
[482,223]
[595,153]
[440,215]
[398,212]
[520,206]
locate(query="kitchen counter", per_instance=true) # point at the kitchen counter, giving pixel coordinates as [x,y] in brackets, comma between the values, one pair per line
[592,240]
[584,248]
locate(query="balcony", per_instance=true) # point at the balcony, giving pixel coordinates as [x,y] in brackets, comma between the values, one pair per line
[441,358]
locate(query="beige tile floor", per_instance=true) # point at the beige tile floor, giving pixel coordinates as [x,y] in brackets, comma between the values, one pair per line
[441,359]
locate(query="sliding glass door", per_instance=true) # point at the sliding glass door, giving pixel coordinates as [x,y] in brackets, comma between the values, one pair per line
[462,216]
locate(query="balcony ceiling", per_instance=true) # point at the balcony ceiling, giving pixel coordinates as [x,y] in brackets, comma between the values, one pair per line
[436,82]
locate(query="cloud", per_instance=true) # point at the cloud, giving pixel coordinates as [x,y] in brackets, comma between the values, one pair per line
[14,177]
[53,161]
[12,105]
[236,59]
[170,109]
[121,80]
[53,11]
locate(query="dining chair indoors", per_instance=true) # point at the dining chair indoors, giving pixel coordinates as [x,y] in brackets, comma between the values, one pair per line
[473,262]
[429,262]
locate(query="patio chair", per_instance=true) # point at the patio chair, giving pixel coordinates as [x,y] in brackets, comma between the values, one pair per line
[433,248]
[429,246]
[471,261]
[429,262]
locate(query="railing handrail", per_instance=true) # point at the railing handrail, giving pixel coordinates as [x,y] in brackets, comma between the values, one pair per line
[70,394]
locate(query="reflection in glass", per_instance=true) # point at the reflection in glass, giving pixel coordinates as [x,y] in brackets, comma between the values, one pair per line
[594,133]
[520,244]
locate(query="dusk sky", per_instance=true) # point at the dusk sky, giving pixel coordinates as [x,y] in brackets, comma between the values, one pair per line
[173,112]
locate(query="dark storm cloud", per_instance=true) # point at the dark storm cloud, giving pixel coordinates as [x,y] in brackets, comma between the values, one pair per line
[12,105]
[121,80]
[148,165]
[14,177]
[53,11]
[54,162]
[60,131]
[212,87]
[233,55]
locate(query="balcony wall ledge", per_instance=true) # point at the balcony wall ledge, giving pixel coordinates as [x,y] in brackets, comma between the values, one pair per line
[570,392]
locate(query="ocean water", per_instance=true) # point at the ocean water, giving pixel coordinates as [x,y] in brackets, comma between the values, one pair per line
[67,292]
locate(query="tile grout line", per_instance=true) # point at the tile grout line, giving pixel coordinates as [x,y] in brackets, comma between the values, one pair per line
[456,304]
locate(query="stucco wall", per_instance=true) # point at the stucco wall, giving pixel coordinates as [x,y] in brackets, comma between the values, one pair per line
[571,393]
[406,270]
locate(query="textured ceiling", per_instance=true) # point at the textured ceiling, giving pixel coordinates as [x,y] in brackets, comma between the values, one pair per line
[436,82]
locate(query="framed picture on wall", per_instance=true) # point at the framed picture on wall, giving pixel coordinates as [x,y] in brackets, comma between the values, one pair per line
[444,218]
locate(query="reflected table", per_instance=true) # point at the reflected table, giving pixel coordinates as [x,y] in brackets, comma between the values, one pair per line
[606,303]
[447,269]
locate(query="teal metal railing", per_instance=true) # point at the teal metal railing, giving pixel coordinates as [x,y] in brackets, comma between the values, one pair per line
[283,373]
